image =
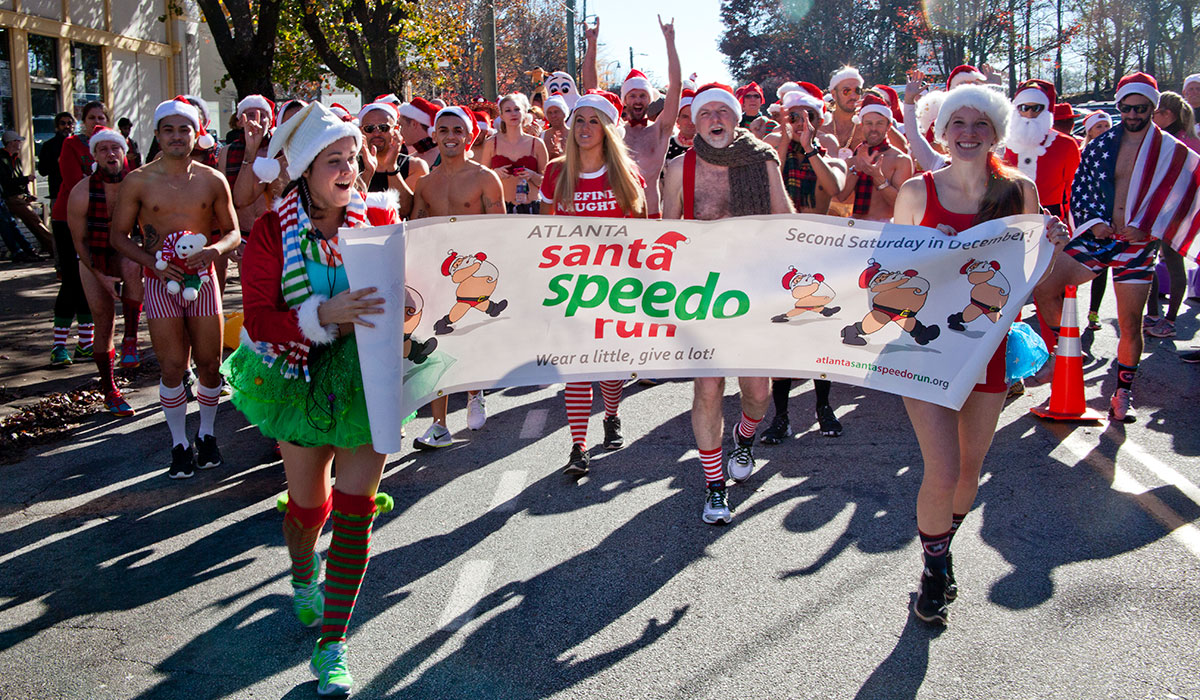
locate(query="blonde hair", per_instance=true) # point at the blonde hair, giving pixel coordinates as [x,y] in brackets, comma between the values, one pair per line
[1185,118]
[620,168]
[517,98]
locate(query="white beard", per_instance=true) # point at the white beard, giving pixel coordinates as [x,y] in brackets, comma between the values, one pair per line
[1025,134]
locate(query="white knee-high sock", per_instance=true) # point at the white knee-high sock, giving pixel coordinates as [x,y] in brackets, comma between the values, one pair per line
[207,397]
[174,405]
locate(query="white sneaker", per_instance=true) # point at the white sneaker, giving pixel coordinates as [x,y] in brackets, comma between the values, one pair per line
[741,459]
[437,436]
[716,507]
[476,411]
[1120,408]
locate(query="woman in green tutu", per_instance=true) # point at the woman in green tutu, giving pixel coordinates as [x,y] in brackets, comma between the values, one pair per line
[297,377]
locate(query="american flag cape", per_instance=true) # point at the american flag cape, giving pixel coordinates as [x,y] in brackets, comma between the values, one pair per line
[1164,188]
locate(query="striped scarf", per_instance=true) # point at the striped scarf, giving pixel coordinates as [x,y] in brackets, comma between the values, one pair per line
[300,244]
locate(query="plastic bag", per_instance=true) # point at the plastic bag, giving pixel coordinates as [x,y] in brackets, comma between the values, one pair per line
[1026,352]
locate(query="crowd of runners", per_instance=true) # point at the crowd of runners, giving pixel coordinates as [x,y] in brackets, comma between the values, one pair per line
[160,237]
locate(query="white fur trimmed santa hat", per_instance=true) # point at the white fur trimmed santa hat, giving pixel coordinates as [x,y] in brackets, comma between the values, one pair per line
[983,99]
[843,74]
[302,138]
[637,80]
[874,104]
[716,92]
[962,74]
[462,113]
[1138,83]
[256,102]
[419,110]
[182,107]
[1095,118]
[602,101]
[387,108]
[809,96]
[556,101]
[103,134]
[1035,91]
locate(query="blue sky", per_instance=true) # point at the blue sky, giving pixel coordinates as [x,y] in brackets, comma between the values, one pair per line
[625,23]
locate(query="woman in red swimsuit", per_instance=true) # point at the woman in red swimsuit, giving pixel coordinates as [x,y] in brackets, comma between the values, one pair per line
[973,120]
[595,177]
[518,158]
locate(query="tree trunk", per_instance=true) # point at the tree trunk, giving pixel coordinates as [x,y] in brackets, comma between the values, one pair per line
[246,43]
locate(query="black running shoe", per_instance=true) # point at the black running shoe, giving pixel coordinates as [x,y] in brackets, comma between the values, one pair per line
[779,430]
[613,439]
[827,421]
[183,463]
[930,605]
[207,454]
[577,463]
[951,584]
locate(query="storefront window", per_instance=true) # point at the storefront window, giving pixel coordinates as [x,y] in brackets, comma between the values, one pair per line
[44,85]
[6,92]
[85,66]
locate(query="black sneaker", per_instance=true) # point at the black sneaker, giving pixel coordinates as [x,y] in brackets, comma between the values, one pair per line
[779,430]
[951,584]
[207,454]
[577,463]
[930,605]
[183,463]
[1191,357]
[612,433]
[827,421]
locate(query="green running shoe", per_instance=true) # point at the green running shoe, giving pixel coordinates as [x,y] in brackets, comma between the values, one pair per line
[308,601]
[84,352]
[59,357]
[329,666]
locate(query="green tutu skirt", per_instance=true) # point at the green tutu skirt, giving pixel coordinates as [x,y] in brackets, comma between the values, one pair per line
[329,410]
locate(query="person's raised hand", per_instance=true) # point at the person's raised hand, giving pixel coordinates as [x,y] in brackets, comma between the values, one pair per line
[668,29]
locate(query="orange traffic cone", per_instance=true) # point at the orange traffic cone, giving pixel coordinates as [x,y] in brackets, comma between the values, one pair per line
[1066,389]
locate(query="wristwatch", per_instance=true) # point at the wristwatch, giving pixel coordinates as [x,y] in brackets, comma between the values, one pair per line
[886,184]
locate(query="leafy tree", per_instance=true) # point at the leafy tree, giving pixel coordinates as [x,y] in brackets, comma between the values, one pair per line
[244,32]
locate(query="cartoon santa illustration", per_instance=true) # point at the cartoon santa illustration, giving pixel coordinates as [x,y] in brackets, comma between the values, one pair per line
[811,294]
[415,351]
[989,292]
[476,278]
[895,297]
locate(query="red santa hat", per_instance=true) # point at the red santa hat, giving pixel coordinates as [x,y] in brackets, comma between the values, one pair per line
[285,107]
[983,99]
[893,100]
[873,104]
[482,122]
[340,110]
[301,138]
[962,74]
[637,80]
[686,97]
[451,256]
[789,86]
[751,89]
[994,264]
[181,107]
[1035,91]
[390,98]
[386,107]
[256,102]
[873,268]
[1095,118]
[716,92]
[1138,83]
[602,101]
[788,277]
[462,113]
[843,74]
[419,110]
[810,97]
[103,134]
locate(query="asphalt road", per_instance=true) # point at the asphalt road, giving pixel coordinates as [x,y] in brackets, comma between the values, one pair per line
[496,577]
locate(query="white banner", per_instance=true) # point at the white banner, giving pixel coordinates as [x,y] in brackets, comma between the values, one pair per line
[499,301]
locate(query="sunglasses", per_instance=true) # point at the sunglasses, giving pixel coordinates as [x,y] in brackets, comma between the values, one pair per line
[852,91]
[1031,109]
[372,128]
[1136,109]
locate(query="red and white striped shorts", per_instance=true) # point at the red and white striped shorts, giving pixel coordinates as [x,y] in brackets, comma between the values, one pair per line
[161,304]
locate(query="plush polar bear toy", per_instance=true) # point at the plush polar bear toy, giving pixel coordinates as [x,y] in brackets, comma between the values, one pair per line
[176,249]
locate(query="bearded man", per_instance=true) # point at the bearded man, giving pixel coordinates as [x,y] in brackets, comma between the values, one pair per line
[1042,153]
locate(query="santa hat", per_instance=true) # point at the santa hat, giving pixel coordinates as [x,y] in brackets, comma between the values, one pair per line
[1193,78]
[788,277]
[390,98]
[808,96]
[686,97]
[556,101]
[102,134]
[181,107]
[716,92]
[256,102]
[451,256]
[963,73]
[843,74]
[482,122]
[637,80]
[340,110]
[1038,92]
[284,107]
[789,86]
[419,110]
[995,265]
[873,104]
[927,109]
[302,138]
[386,107]
[689,83]
[987,101]
[873,268]
[1064,111]
[751,89]
[1139,83]
[462,113]
[601,101]
[1095,118]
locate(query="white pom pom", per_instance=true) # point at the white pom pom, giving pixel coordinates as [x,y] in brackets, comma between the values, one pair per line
[266,169]
[206,141]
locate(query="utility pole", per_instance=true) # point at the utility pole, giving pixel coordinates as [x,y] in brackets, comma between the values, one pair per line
[489,52]
[630,58]
[571,59]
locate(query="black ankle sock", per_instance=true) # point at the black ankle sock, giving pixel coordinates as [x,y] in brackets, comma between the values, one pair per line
[1125,376]
[934,549]
[780,388]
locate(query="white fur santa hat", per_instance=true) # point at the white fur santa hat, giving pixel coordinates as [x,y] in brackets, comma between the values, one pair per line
[808,96]
[689,83]
[340,110]
[1034,91]
[789,86]
[390,98]
[386,107]
[1138,83]
[181,107]
[462,113]
[556,101]
[204,140]
[1193,78]
[843,74]
[637,80]
[103,134]
[419,110]
[686,96]
[602,101]
[927,108]
[482,124]
[302,138]
[983,99]
[719,93]
[964,73]
[256,102]
[1095,118]
[285,107]
[874,104]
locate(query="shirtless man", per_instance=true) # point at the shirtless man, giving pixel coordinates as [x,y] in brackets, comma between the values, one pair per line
[387,168]
[812,176]
[647,141]
[1106,238]
[416,119]
[695,188]
[101,270]
[457,186]
[846,87]
[555,135]
[254,115]
[877,168]
[170,195]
